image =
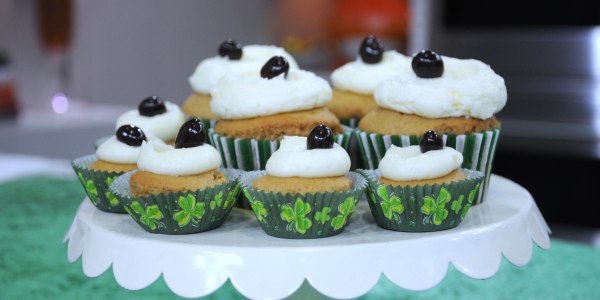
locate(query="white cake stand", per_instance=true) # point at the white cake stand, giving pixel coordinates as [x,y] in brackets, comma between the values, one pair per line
[344,266]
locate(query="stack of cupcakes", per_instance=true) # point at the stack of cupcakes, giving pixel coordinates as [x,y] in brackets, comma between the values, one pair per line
[457,98]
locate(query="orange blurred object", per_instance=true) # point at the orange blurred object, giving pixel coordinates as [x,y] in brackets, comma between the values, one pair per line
[54,24]
[355,19]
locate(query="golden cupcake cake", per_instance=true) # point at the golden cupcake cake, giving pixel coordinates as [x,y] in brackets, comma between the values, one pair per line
[307,190]
[354,82]
[257,111]
[155,117]
[232,58]
[457,98]
[181,187]
[422,188]
[115,156]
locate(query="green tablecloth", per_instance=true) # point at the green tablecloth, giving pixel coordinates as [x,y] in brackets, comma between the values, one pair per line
[35,213]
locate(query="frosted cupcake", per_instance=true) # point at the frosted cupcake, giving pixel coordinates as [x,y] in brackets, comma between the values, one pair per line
[306,190]
[115,156]
[180,189]
[422,188]
[257,111]
[232,59]
[458,98]
[156,117]
[354,82]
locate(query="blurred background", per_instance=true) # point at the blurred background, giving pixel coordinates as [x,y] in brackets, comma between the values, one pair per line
[68,68]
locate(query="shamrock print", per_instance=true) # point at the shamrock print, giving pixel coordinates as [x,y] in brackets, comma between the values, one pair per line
[392,206]
[435,208]
[258,207]
[345,208]
[470,202]
[323,215]
[296,217]
[111,198]
[217,201]
[90,188]
[190,211]
[150,217]
[231,197]
[457,204]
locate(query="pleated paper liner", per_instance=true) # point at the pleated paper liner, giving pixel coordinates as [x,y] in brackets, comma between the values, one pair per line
[350,122]
[96,183]
[252,154]
[478,150]
[303,216]
[422,208]
[181,212]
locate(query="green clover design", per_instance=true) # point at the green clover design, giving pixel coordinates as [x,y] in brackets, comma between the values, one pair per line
[257,206]
[323,215]
[457,204]
[231,197]
[296,217]
[150,216]
[217,201]
[435,208]
[90,188]
[470,202]
[190,211]
[392,206]
[345,208]
[111,198]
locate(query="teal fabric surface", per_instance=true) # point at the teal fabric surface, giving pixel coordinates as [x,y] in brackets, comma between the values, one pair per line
[35,213]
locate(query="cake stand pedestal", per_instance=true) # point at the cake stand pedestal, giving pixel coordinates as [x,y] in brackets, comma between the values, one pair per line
[343,266]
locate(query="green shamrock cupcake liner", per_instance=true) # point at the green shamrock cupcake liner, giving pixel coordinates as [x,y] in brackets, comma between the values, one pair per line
[421,208]
[478,150]
[96,184]
[252,154]
[181,212]
[302,216]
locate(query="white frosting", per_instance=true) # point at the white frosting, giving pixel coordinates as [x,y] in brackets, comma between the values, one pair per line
[164,126]
[240,97]
[362,78]
[408,163]
[467,88]
[113,150]
[160,158]
[211,70]
[292,159]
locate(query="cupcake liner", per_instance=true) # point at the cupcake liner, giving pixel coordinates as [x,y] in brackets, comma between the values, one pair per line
[181,212]
[478,150]
[422,208]
[350,122]
[252,154]
[303,216]
[96,184]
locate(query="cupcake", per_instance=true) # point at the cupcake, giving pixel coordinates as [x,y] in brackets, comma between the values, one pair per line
[115,156]
[455,97]
[155,117]
[232,58]
[306,190]
[180,189]
[354,82]
[422,188]
[257,111]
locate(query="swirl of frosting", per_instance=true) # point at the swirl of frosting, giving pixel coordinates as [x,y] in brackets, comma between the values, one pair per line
[362,78]
[468,87]
[114,151]
[408,163]
[160,158]
[240,97]
[164,126]
[211,70]
[292,159]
